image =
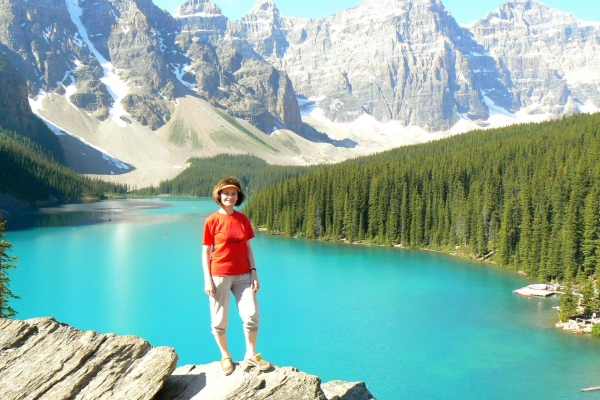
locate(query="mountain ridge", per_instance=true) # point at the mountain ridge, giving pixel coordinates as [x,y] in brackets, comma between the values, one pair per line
[362,80]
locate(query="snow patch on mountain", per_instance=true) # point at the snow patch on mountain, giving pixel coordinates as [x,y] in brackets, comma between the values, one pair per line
[36,103]
[500,117]
[588,108]
[105,155]
[117,88]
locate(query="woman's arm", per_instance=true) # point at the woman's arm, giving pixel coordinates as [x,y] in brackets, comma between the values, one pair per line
[255,284]
[209,287]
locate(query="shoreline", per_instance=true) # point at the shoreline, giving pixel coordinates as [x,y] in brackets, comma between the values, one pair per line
[575,326]
[454,253]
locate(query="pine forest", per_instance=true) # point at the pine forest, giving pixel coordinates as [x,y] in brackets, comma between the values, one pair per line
[31,174]
[526,197]
[200,177]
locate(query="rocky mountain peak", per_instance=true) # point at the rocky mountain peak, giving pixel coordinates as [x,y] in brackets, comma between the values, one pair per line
[197,7]
[265,13]
[262,27]
[264,7]
[391,6]
[530,12]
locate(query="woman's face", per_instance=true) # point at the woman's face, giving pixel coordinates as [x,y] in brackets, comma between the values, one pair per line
[229,197]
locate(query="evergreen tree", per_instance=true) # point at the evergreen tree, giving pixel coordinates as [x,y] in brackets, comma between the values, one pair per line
[6,311]
[568,300]
[591,233]
[587,299]
[571,240]
[508,233]
[596,299]
[525,245]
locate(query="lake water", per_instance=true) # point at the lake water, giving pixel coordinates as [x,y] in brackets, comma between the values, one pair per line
[411,324]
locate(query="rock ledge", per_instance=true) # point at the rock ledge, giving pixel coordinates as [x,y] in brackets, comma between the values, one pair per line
[41,358]
[204,382]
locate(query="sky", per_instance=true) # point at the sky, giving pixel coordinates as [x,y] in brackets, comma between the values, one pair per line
[464,11]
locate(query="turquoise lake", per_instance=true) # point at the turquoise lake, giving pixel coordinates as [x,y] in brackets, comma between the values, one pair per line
[411,324]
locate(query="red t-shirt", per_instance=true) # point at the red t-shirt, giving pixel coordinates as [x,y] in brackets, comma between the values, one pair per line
[228,235]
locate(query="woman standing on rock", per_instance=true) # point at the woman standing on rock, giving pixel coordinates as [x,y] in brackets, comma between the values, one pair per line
[228,265]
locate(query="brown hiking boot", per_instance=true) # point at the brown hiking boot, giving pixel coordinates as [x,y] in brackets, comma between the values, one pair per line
[227,365]
[257,362]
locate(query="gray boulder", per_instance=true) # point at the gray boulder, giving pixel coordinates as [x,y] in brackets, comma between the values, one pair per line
[41,358]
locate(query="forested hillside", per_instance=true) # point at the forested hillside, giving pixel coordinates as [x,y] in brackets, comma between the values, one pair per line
[200,177]
[527,196]
[30,174]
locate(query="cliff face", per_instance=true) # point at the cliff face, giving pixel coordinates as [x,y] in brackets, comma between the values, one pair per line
[395,60]
[551,60]
[408,60]
[44,359]
[16,114]
[230,73]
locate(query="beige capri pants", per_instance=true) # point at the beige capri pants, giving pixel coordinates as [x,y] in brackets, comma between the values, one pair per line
[244,296]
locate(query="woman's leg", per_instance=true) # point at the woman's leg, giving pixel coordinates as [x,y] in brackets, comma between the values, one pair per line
[219,309]
[222,343]
[248,308]
[251,337]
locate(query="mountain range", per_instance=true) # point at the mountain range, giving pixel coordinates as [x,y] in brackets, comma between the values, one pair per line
[134,91]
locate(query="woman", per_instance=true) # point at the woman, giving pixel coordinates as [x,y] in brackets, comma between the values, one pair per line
[228,265]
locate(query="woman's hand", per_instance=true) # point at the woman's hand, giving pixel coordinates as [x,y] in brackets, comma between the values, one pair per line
[254,283]
[209,287]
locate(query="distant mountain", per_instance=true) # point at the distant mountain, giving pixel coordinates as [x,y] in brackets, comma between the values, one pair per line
[152,89]
[394,60]
[408,60]
[550,61]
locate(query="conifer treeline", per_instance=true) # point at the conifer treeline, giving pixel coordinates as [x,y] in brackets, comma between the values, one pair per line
[200,177]
[527,195]
[30,174]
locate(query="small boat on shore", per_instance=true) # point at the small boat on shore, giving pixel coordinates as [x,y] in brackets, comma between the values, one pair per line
[538,286]
[537,290]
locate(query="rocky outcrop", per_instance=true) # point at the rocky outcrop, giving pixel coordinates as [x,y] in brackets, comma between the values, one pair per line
[44,359]
[41,358]
[199,382]
[204,19]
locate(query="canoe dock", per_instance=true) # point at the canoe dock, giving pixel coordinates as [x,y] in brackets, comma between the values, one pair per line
[536,290]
